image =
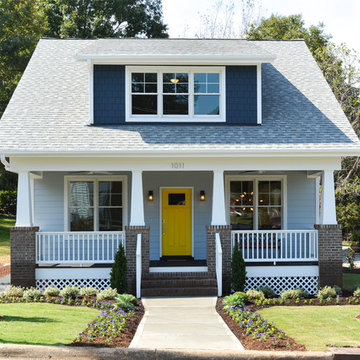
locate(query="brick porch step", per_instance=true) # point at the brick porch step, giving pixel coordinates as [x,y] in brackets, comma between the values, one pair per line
[178,284]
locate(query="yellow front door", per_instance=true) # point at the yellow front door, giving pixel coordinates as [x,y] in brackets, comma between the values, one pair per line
[176,222]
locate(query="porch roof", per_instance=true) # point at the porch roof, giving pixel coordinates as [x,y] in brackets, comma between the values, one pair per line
[50,107]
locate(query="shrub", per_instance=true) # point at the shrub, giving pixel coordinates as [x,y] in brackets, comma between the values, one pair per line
[326,291]
[238,269]
[357,292]
[16,291]
[69,291]
[338,290]
[126,301]
[237,299]
[255,295]
[88,291]
[268,292]
[291,294]
[107,294]
[32,293]
[51,291]
[128,298]
[118,272]
[8,202]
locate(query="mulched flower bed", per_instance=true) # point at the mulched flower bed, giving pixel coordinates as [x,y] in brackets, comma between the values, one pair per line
[108,330]
[113,328]
[352,271]
[273,342]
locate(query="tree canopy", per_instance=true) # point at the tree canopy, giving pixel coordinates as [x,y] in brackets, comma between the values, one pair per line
[289,27]
[88,19]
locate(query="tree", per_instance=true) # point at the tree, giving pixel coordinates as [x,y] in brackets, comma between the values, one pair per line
[238,269]
[88,19]
[22,24]
[228,19]
[118,272]
[289,27]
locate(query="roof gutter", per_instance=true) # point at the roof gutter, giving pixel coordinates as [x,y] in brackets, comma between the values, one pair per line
[288,152]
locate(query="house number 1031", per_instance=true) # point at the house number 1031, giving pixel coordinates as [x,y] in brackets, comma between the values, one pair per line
[177,165]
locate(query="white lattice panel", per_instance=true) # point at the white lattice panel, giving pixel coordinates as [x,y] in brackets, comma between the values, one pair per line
[100,284]
[281,283]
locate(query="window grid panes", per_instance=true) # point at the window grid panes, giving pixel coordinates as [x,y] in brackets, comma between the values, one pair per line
[270,205]
[183,93]
[96,205]
[144,98]
[242,205]
[265,213]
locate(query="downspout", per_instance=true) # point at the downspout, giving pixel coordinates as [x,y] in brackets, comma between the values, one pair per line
[5,162]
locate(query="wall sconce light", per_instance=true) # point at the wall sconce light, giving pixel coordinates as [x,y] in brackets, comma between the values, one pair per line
[150,195]
[202,195]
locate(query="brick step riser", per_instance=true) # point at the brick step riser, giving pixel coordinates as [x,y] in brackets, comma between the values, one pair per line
[167,283]
[206,291]
[181,275]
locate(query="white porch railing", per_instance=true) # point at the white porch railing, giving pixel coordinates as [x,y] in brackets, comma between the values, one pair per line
[138,266]
[78,247]
[218,257]
[277,245]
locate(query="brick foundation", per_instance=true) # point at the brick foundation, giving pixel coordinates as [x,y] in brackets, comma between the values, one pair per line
[225,238]
[23,261]
[330,255]
[131,237]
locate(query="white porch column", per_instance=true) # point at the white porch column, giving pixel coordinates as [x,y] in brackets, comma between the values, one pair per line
[328,209]
[23,206]
[137,200]
[218,200]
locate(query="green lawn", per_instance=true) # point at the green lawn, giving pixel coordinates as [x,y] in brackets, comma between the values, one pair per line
[351,281]
[45,324]
[5,224]
[317,326]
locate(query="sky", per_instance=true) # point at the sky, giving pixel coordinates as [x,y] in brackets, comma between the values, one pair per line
[340,17]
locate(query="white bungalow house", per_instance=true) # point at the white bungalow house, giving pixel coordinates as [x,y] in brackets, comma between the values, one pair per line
[175,148]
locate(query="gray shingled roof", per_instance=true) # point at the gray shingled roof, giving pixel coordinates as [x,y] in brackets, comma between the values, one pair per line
[50,107]
[172,47]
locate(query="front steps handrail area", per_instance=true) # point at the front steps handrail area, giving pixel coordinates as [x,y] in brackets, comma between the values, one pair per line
[78,247]
[218,257]
[138,266]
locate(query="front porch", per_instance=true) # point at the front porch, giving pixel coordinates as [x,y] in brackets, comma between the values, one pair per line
[271,214]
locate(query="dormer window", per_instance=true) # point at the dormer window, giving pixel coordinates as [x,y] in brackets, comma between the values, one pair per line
[175,94]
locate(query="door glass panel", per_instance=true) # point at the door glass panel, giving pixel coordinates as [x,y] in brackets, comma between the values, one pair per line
[176,199]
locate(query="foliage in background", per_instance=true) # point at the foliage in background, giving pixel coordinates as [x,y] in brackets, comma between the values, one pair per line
[22,24]
[8,202]
[238,269]
[118,272]
[88,19]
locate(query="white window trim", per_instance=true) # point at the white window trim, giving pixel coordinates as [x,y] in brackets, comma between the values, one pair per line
[256,179]
[95,179]
[190,118]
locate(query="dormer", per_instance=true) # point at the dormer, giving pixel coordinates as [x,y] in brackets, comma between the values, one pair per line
[174,81]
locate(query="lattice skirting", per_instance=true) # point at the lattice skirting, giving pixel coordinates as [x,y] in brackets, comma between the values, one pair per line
[100,284]
[281,283]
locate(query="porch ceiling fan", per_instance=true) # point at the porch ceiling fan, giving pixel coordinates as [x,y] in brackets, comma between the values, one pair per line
[93,173]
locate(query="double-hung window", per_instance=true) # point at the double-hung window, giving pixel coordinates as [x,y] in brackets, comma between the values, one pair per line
[175,94]
[256,204]
[96,204]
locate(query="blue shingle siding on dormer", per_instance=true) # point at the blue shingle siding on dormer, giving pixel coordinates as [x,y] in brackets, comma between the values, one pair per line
[241,96]
[109,94]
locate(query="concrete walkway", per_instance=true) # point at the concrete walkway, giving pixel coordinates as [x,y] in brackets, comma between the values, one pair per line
[183,323]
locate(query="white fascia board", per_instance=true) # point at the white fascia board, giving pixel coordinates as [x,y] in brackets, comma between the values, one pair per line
[281,152]
[171,59]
